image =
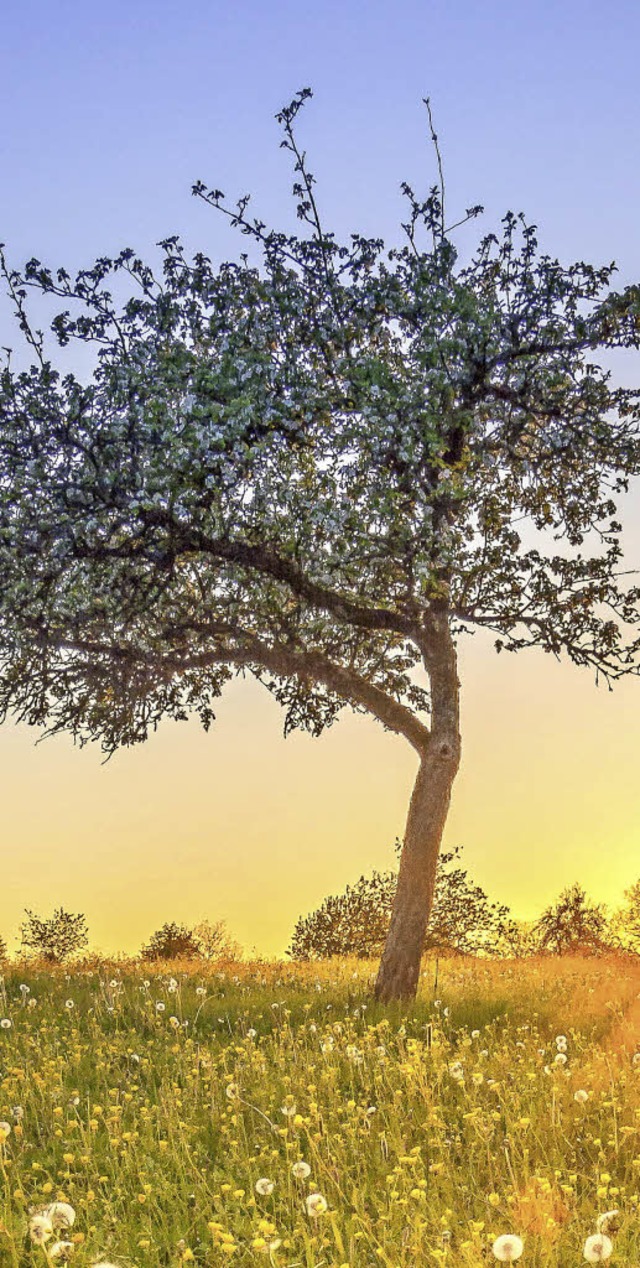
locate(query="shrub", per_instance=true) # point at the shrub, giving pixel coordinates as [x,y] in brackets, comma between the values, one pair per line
[572,925]
[56,937]
[215,942]
[463,921]
[625,923]
[172,942]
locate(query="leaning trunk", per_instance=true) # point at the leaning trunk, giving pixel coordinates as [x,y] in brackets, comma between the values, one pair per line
[400,965]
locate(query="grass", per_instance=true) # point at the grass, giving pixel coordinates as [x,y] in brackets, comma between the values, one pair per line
[153,1101]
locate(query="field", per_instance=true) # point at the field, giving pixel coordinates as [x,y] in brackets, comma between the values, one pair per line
[191,1114]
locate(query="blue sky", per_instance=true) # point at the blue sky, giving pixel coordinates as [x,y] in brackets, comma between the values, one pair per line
[111,112]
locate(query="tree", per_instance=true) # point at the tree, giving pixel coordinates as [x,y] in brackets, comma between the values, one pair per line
[572,925]
[462,919]
[354,923]
[172,942]
[56,937]
[214,941]
[321,469]
[625,922]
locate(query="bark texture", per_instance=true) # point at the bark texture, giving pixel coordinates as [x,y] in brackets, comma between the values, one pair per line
[400,964]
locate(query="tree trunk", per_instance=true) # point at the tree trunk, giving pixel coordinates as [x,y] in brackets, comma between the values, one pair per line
[400,964]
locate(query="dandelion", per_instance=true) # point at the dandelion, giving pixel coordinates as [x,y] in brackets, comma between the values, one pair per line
[561,1043]
[232,1091]
[581,1096]
[69,1004]
[61,1250]
[635,1060]
[160,1007]
[475,1034]
[316,1205]
[61,1214]
[201,990]
[24,989]
[560,1058]
[251,1033]
[18,1113]
[5,1131]
[6,1023]
[264,1187]
[289,1111]
[456,1070]
[300,1170]
[608,1223]
[508,1247]
[597,1247]
[40,1229]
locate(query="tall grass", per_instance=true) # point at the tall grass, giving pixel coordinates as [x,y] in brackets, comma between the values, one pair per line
[154,1099]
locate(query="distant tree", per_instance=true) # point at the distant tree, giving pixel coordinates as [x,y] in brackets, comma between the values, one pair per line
[353,923]
[55,938]
[625,922]
[172,942]
[215,942]
[573,924]
[462,921]
[517,939]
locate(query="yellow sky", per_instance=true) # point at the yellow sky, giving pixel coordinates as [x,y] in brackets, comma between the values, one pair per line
[243,825]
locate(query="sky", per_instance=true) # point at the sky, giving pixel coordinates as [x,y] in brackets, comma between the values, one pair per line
[110,114]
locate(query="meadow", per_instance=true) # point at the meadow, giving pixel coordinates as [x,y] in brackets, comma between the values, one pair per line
[248,1113]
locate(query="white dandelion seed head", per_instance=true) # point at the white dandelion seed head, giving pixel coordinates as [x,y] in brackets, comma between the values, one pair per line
[475,1034]
[264,1187]
[61,1214]
[40,1229]
[635,1060]
[581,1096]
[608,1222]
[508,1247]
[5,1130]
[61,1250]
[6,1023]
[24,989]
[300,1170]
[560,1059]
[160,1007]
[597,1248]
[561,1042]
[316,1205]
[231,1091]
[68,1003]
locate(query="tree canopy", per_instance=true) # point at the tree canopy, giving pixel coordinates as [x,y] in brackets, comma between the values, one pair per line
[286,470]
